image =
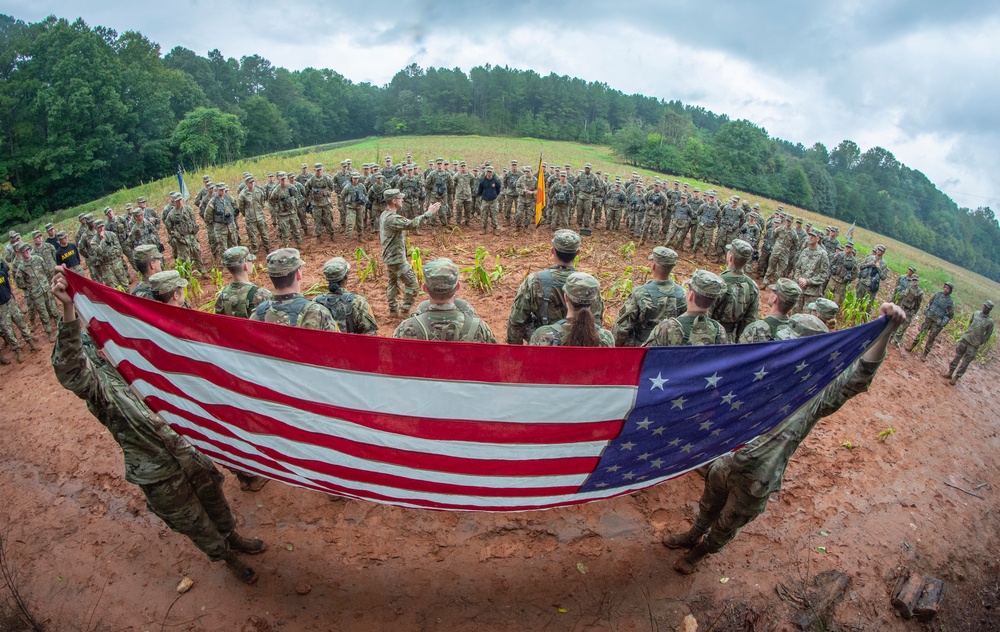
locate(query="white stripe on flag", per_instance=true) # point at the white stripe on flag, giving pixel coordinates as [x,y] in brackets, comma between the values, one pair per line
[452,399]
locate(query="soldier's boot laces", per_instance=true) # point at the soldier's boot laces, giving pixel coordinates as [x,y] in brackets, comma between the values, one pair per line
[687,564]
[19,355]
[250,546]
[240,569]
[684,540]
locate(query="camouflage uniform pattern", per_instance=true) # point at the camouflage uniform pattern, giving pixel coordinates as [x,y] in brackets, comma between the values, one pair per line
[979,332]
[681,221]
[351,311]
[526,312]
[283,214]
[550,335]
[764,330]
[223,216]
[730,220]
[445,322]
[866,273]
[463,197]
[738,485]
[738,306]
[560,205]
[653,220]
[687,330]
[708,219]
[392,235]
[526,190]
[355,197]
[784,245]
[31,278]
[843,270]
[251,204]
[585,188]
[910,300]
[940,310]
[48,254]
[296,310]
[235,299]
[181,486]
[320,191]
[647,306]
[615,205]
[813,266]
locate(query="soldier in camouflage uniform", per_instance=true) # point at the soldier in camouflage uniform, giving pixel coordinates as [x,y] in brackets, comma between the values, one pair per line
[375,205]
[527,190]
[183,224]
[825,310]
[750,233]
[781,250]
[910,300]
[635,212]
[872,271]
[579,328]
[351,311]
[30,276]
[730,220]
[979,332]
[201,203]
[681,221]
[585,189]
[656,210]
[508,201]
[181,486]
[708,219]
[437,184]
[283,214]
[115,225]
[148,261]
[812,270]
[83,235]
[251,203]
[392,235]
[143,232]
[940,310]
[320,190]
[106,257]
[738,305]
[240,297]
[902,283]
[539,299]
[355,197]
[463,183]
[560,203]
[694,327]
[46,251]
[288,306]
[738,485]
[221,212]
[301,201]
[341,179]
[443,320]
[767,242]
[651,303]
[11,316]
[615,203]
[785,294]
[801,237]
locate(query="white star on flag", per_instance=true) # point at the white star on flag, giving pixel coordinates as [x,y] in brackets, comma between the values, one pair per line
[658,381]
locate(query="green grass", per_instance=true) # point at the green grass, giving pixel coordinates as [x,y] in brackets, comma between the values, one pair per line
[971,289]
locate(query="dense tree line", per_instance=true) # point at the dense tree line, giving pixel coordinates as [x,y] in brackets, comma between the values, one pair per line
[85,111]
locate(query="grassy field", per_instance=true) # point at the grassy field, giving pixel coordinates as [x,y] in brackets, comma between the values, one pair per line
[971,289]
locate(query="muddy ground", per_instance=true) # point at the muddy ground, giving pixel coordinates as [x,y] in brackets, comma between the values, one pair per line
[91,557]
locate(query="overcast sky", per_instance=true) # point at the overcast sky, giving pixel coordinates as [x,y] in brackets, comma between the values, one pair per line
[912,76]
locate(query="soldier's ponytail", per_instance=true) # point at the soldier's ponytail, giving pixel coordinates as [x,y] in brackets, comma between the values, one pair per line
[583,328]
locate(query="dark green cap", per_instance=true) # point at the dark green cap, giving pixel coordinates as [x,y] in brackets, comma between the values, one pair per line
[707,284]
[237,255]
[166,281]
[565,240]
[581,288]
[663,256]
[336,269]
[441,275]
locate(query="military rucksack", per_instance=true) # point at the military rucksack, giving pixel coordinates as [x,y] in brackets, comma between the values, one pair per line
[340,306]
[293,309]
[733,304]
[467,333]
[697,331]
[550,298]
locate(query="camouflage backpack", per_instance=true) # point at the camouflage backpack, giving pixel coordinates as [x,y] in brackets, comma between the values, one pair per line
[339,305]
[293,309]
[733,304]
[430,329]
[695,332]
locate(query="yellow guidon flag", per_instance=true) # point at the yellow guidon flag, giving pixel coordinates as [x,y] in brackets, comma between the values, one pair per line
[540,193]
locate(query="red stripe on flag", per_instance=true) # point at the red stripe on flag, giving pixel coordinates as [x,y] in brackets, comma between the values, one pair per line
[422,427]
[372,354]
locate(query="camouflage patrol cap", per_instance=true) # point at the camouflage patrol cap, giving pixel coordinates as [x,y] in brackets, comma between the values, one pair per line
[304,166]
[388,158]
[707,284]
[824,307]
[439,160]
[804,325]
[49,225]
[915,277]
[249,179]
[100,223]
[23,247]
[567,166]
[684,196]
[988,305]
[108,209]
[318,165]
[166,281]
[911,269]
[282,174]
[663,256]
[741,249]
[220,185]
[140,200]
[441,275]
[950,284]
[283,262]
[177,197]
[128,206]
[146,253]
[880,247]
[344,163]
[756,207]
[78,217]
[581,288]
[745,204]
[61,235]
[849,244]
[391,194]
[355,174]
[462,164]
[347,160]
[815,232]
[270,175]
[378,175]
[786,289]
[336,269]
[513,162]
[696,190]
[37,233]
[135,211]
[565,240]
[206,178]
[237,256]
[799,220]
[489,168]
[12,234]
[89,218]
[588,166]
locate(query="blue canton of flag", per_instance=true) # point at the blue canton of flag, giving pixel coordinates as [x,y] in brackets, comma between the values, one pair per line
[182,188]
[695,404]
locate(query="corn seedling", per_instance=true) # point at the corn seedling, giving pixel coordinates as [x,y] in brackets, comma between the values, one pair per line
[848,445]
[644,274]
[854,312]
[367,265]
[627,251]
[186,270]
[498,271]
[416,260]
[514,253]
[215,275]
[621,289]
[315,289]
[885,434]
[478,277]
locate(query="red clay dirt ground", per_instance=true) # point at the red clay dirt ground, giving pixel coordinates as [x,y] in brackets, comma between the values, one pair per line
[91,557]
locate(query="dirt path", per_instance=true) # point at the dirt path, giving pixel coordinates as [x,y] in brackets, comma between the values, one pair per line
[92,558]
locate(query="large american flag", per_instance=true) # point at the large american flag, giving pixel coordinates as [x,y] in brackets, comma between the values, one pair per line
[453,426]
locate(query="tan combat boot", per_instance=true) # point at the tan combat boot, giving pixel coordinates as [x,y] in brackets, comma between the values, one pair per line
[239,568]
[687,564]
[19,354]
[240,544]
[684,540]
[34,345]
